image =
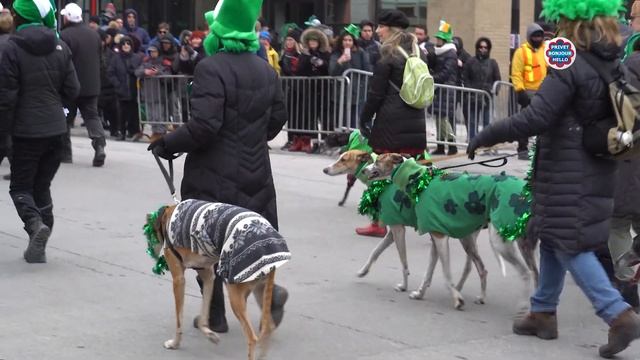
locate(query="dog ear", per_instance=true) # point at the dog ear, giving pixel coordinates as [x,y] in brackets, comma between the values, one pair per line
[157,225]
[397,158]
[366,157]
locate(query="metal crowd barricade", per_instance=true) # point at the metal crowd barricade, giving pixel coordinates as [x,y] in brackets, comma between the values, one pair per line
[358,86]
[456,114]
[164,100]
[505,101]
[315,104]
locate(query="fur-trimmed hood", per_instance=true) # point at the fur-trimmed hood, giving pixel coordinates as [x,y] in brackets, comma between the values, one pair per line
[317,34]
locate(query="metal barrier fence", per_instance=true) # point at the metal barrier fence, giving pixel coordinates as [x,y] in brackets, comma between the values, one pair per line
[315,104]
[320,105]
[505,102]
[163,100]
[456,114]
[358,86]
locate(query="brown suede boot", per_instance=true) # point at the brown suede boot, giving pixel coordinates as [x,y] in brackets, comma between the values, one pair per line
[542,325]
[622,332]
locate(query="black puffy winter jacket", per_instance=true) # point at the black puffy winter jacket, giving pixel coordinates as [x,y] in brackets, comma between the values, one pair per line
[572,189]
[237,105]
[397,126]
[36,76]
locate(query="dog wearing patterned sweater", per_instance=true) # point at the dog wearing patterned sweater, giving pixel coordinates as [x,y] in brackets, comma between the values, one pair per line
[197,234]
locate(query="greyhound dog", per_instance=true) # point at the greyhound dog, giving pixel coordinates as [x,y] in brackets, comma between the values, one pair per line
[196,235]
[352,162]
[490,198]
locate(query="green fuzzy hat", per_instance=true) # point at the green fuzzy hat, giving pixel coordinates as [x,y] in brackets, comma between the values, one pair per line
[445,32]
[36,12]
[232,27]
[553,10]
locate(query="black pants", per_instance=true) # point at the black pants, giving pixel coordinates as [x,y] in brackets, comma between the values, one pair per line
[130,122]
[5,148]
[88,107]
[110,113]
[35,163]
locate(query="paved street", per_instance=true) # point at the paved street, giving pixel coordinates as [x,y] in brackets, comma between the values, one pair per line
[97,298]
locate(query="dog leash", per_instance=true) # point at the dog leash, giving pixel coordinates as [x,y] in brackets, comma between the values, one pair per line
[168,175]
[486,163]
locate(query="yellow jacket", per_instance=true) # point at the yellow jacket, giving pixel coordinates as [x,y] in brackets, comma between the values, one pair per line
[528,67]
[274,59]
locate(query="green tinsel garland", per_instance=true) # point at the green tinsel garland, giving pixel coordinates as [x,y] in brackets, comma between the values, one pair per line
[519,229]
[152,240]
[369,201]
[419,184]
[580,9]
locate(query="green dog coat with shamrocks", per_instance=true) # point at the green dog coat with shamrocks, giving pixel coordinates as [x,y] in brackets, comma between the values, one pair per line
[457,204]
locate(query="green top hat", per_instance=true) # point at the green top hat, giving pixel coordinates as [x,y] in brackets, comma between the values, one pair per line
[353,30]
[445,32]
[232,26]
[580,9]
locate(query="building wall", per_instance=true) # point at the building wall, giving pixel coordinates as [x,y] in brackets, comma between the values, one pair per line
[490,18]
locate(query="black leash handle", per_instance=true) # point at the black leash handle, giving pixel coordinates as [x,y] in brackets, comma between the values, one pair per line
[486,163]
[168,175]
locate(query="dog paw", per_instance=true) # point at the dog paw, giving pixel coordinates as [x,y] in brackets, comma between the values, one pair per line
[171,344]
[458,304]
[479,300]
[401,287]
[362,272]
[212,336]
[416,295]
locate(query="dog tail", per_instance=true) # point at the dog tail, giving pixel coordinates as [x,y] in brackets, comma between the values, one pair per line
[503,266]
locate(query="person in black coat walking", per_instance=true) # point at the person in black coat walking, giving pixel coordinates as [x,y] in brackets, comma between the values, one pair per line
[572,192]
[86,47]
[397,126]
[479,72]
[626,212]
[36,74]
[237,105]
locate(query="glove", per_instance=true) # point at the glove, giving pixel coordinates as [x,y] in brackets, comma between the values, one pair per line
[474,144]
[159,148]
[365,129]
[523,98]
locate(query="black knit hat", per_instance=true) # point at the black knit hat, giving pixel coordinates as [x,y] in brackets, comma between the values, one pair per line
[395,18]
[294,34]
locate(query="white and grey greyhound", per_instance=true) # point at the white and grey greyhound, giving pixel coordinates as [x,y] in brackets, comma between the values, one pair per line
[487,201]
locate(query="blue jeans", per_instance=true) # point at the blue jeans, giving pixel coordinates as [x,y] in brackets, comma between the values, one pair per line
[587,273]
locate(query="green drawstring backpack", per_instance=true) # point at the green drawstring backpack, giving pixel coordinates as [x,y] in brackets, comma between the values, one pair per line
[417,83]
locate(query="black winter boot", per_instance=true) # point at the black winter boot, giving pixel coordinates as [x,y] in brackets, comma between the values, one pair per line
[38,236]
[438,151]
[99,156]
[278,299]
[452,150]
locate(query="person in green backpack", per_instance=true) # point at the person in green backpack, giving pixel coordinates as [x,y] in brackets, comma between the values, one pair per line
[398,127]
